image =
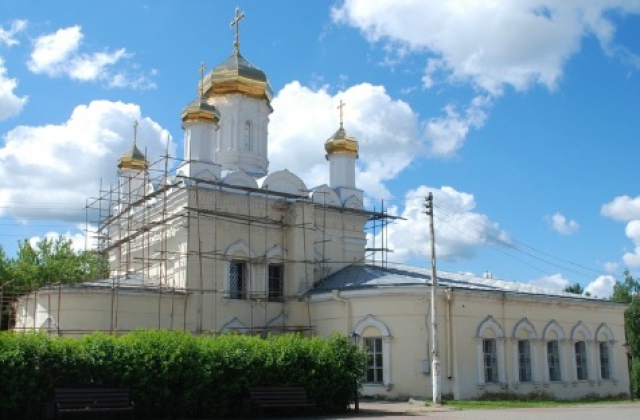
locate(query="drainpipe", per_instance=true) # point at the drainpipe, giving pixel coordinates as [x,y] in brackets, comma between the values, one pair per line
[347,310]
[449,296]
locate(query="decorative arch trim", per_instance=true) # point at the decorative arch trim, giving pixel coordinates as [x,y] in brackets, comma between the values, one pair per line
[581,327]
[235,325]
[241,179]
[277,321]
[371,321]
[490,323]
[527,326]
[285,182]
[275,252]
[353,202]
[238,246]
[326,196]
[604,328]
[551,327]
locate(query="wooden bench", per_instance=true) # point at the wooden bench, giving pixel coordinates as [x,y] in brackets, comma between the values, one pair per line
[280,398]
[92,400]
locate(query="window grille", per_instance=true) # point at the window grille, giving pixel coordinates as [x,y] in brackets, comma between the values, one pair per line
[490,360]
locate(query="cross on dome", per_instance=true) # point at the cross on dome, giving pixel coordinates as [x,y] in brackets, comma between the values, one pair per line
[341,108]
[236,22]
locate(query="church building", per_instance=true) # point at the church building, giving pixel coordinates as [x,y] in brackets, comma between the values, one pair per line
[219,242]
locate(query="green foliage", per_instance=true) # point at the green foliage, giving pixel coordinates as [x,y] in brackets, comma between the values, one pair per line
[625,290]
[575,288]
[174,374]
[632,331]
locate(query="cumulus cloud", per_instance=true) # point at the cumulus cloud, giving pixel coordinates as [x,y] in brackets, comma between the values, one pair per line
[626,209]
[58,54]
[459,230]
[622,208]
[10,103]
[387,131]
[7,36]
[611,266]
[554,282]
[488,44]
[446,135]
[562,225]
[79,241]
[47,172]
[601,287]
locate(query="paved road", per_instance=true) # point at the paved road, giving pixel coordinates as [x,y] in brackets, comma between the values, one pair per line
[588,412]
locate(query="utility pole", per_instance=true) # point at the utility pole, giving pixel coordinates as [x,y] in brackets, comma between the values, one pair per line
[435,359]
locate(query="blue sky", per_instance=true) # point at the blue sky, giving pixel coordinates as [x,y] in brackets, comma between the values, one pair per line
[522,118]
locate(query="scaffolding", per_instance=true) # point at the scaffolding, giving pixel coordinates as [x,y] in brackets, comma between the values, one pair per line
[160,240]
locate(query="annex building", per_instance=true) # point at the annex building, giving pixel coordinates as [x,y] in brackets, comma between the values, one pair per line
[219,242]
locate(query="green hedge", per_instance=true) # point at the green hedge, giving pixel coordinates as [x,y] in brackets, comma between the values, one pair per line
[174,374]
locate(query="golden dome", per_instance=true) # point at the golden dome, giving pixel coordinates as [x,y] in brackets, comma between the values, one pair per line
[237,75]
[341,142]
[133,159]
[200,110]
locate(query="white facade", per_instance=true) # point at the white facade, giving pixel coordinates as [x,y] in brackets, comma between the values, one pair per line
[211,250]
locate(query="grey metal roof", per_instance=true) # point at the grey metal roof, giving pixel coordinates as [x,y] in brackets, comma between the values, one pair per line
[399,275]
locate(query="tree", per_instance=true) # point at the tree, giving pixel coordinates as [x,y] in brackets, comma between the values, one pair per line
[575,289]
[48,262]
[632,331]
[625,290]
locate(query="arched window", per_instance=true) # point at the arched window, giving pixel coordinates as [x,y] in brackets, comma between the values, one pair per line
[275,274]
[525,341]
[581,337]
[554,352]
[606,357]
[247,136]
[490,353]
[376,341]
[238,272]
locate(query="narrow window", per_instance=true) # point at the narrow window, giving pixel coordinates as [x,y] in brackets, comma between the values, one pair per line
[237,280]
[524,360]
[373,347]
[276,289]
[247,136]
[490,360]
[605,372]
[581,360]
[553,360]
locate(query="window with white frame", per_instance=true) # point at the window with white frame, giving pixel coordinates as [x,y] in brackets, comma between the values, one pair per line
[238,280]
[605,369]
[581,361]
[524,360]
[276,283]
[553,360]
[374,371]
[490,360]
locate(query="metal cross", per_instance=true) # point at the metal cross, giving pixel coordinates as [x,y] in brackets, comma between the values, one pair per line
[340,107]
[236,22]
[202,69]
[135,131]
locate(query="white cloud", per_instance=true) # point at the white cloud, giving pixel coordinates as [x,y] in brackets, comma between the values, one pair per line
[387,131]
[47,172]
[623,208]
[554,282]
[446,135]
[459,230]
[78,240]
[10,104]
[601,287]
[7,36]
[562,225]
[611,267]
[58,54]
[490,44]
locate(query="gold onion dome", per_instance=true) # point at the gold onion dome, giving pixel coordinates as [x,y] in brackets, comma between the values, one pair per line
[133,159]
[200,110]
[341,142]
[237,75]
